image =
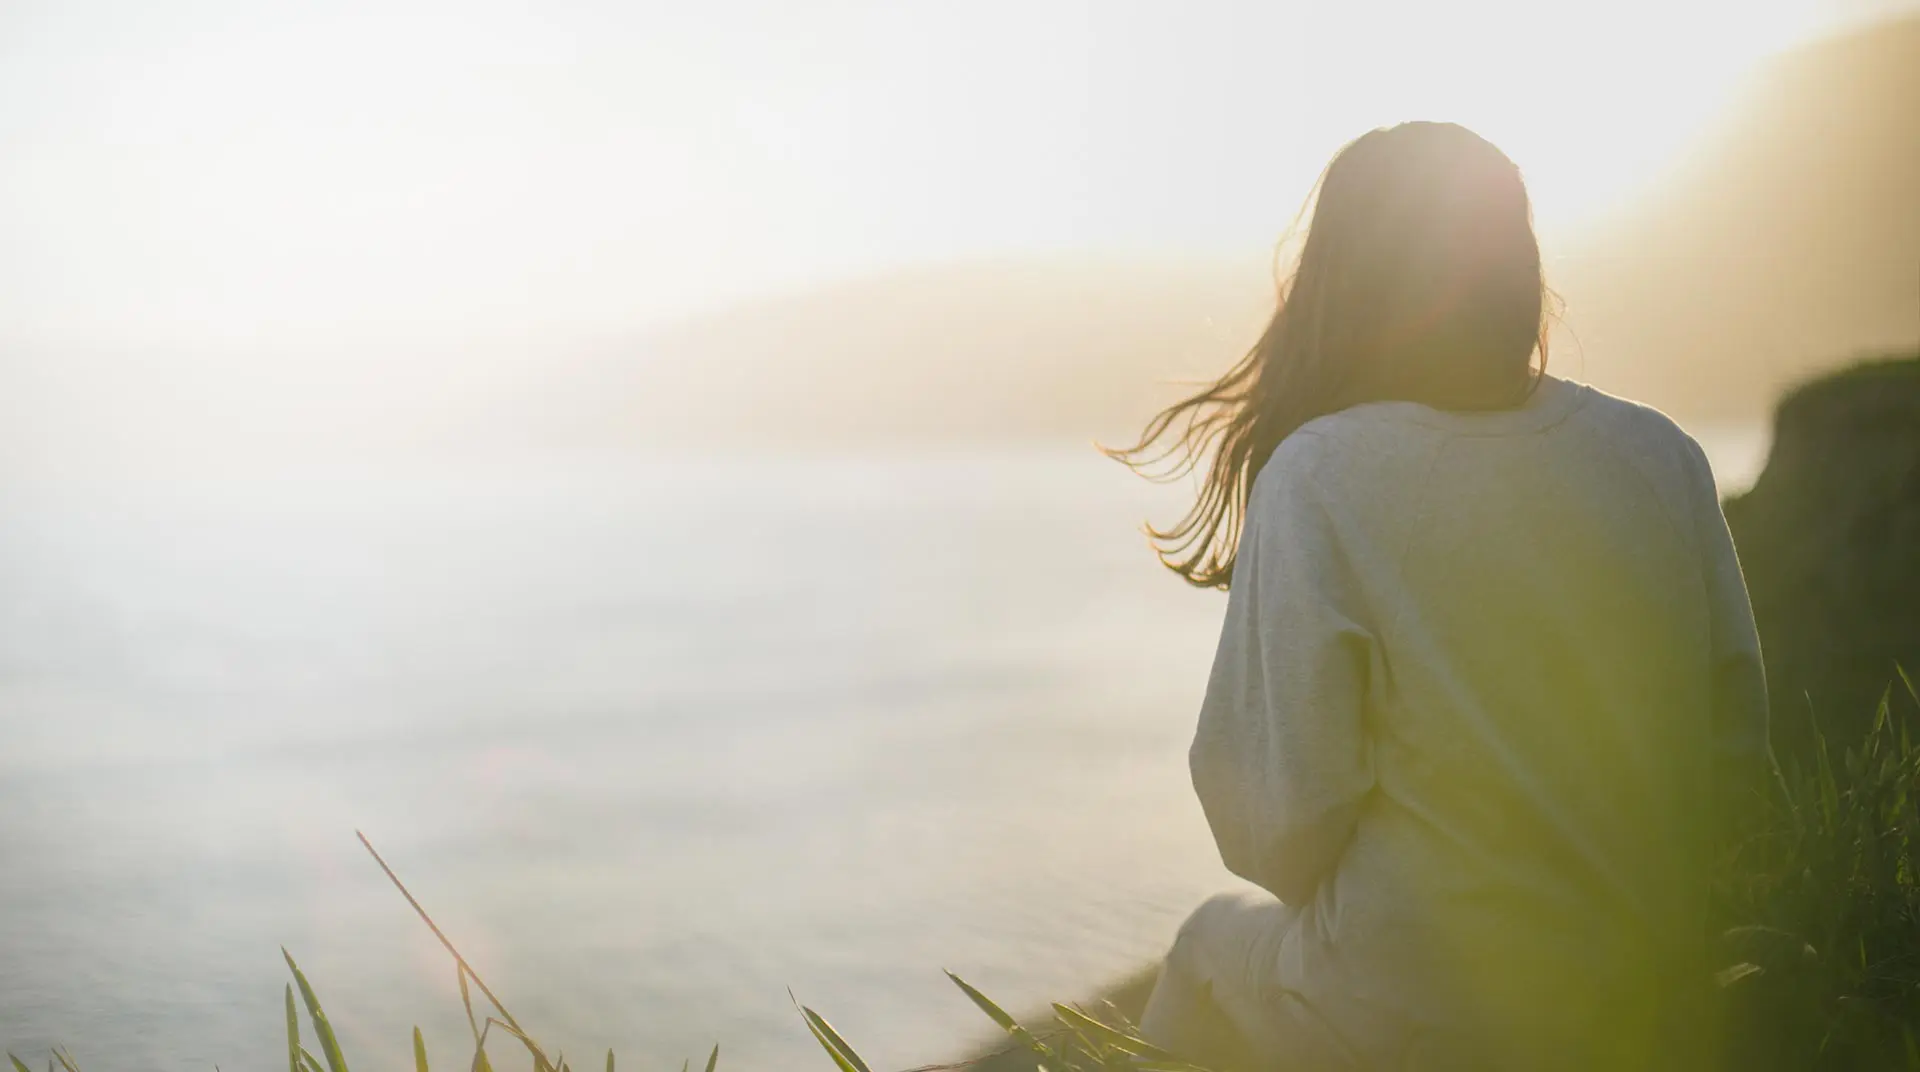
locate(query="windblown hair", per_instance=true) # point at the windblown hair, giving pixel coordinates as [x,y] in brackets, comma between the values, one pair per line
[1419,280]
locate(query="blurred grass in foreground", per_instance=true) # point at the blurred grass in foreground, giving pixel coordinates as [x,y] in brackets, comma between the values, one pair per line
[1823,948]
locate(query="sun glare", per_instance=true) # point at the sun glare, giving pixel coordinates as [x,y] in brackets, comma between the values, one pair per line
[1592,100]
[665,166]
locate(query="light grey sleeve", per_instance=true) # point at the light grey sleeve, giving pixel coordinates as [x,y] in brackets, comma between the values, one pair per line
[1743,753]
[1280,760]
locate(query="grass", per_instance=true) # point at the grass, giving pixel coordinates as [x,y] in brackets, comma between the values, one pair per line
[1825,912]
[1821,904]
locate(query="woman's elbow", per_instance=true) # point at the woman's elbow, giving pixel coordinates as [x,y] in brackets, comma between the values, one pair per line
[1292,865]
[1290,885]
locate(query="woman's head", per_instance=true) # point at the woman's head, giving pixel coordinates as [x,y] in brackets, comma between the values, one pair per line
[1419,280]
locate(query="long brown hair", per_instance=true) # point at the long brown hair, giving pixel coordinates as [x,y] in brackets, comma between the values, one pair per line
[1419,280]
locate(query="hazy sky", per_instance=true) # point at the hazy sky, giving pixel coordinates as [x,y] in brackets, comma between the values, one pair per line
[243,176]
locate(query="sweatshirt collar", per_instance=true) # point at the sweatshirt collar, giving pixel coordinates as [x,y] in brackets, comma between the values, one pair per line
[1553,401]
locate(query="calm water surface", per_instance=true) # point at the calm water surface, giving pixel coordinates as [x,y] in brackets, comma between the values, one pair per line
[655,741]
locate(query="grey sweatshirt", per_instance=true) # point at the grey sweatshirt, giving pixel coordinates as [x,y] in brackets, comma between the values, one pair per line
[1486,684]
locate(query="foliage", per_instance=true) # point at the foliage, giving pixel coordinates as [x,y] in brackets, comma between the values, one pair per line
[1827,901]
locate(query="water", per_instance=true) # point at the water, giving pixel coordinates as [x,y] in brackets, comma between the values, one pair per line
[655,742]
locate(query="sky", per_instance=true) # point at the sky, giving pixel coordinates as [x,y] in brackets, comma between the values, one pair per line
[239,175]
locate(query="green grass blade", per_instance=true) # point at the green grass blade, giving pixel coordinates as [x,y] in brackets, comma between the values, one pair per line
[329,1045]
[1828,788]
[308,1062]
[1007,1023]
[997,1014]
[820,1026]
[18,1065]
[419,1051]
[840,1060]
[540,1061]
[293,1033]
[481,1063]
[843,1055]
[1119,1040]
[466,1001]
[609,1061]
[713,1061]
[445,942]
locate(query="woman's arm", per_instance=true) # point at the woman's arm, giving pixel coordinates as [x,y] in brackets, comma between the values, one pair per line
[1744,768]
[1280,760]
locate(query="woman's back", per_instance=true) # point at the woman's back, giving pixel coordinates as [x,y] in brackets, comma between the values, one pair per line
[1488,677]
[1535,581]
[1473,656]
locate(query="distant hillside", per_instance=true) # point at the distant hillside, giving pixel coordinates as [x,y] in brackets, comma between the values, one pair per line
[1787,242]
[1065,347]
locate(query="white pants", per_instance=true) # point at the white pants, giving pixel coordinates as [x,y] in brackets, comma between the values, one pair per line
[1216,1001]
[1219,1003]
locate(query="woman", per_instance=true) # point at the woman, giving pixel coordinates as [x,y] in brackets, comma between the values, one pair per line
[1488,681]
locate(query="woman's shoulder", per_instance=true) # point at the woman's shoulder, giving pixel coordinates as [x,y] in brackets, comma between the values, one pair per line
[1651,433]
[1333,446]
[1638,416]
[1368,448]
[1556,405]
[1334,456]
